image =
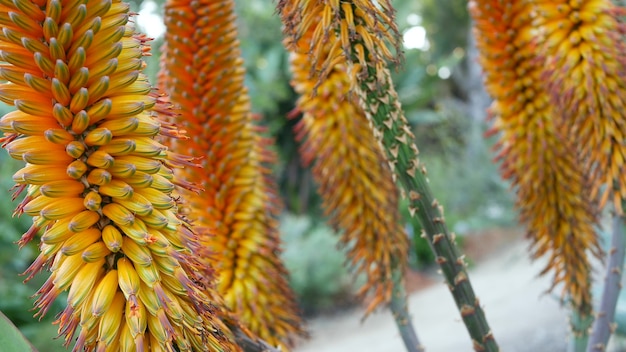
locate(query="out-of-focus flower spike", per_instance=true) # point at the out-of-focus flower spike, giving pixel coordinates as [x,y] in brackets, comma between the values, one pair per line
[372,84]
[365,186]
[246,191]
[538,155]
[582,42]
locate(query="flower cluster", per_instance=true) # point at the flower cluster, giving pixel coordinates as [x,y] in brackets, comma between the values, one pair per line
[98,183]
[203,72]
[585,56]
[354,178]
[542,162]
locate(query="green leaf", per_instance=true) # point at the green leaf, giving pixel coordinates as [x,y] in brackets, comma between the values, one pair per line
[11,339]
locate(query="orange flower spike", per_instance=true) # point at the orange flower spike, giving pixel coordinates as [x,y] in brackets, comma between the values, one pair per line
[542,163]
[360,186]
[321,21]
[203,72]
[583,44]
[94,175]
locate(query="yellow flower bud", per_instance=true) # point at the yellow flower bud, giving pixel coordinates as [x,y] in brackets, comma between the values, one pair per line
[61,208]
[98,136]
[75,149]
[121,127]
[81,119]
[40,174]
[137,231]
[104,293]
[66,272]
[100,159]
[95,252]
[99,110]
[109,328]
[61,189]
[155,219]
[83,283]
[118,214]
[158,199]
[58,136]
[99,177]
[137,204]
[58,233]
[112,238]
[35,206]
[83,220]
[142,164]
[117,189]
[128,278]
[139,255]
[79,241]
[76,169]
[62,114]
[119,146]
[60,91]
[78,81]
[93,201]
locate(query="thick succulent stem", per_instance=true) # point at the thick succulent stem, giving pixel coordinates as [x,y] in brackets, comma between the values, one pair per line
[361,33]
[604,324]
[580,325]
[392,129]
[400,310]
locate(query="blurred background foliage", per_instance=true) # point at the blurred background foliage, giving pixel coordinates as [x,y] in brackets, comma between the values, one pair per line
[440,87]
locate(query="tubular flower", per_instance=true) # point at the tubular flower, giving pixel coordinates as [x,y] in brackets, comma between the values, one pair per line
[370,21]
[204,73]
[543,165]
[98,184]
[582,41]
[359,193]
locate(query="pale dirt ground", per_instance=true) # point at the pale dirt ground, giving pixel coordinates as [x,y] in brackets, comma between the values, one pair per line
[522,317]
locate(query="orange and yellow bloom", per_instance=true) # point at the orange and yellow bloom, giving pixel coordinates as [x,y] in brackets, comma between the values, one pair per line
[582,42]
[203,71]
[98,182]
[354,178]
[538,156]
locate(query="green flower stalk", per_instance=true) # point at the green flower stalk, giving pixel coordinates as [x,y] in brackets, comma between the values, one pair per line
[360,31]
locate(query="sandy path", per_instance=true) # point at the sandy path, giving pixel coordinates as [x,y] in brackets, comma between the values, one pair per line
[521,316]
